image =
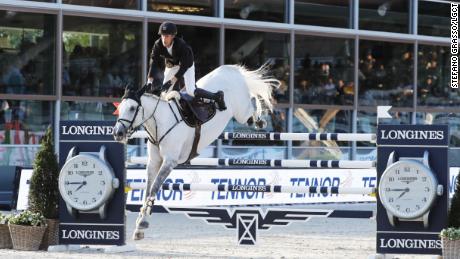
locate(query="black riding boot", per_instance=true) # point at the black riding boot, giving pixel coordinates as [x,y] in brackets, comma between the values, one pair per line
[217,97]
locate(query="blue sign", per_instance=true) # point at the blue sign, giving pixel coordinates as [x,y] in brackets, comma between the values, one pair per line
[413,177]
[97,161]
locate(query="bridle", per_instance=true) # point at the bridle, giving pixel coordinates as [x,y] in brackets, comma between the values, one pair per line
[129,94]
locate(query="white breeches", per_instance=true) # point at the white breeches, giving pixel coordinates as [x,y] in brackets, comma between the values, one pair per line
[189,78]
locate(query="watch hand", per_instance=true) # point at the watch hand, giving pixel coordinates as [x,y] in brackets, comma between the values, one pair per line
[404,192]
[79,187]
[398,190]
[67,183]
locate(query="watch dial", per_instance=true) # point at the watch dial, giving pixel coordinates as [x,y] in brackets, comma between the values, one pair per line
[83,182]
[407,189]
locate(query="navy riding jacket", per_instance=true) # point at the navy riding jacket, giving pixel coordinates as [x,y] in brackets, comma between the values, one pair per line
[182,55]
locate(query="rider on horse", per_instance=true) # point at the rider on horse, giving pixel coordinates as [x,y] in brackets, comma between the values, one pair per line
[179,65]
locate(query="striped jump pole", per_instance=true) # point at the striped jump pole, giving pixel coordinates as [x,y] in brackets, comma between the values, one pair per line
[255,188]
[279,136]
[349,164]
[298,136]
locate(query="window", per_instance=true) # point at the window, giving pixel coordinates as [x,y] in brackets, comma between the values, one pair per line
[27,53]
[330,121]
[254,49]
[316,121]
[196,7]
[269,11]
[434,18]
[321,13]
[204,42]
[100,56]
[452,119]
[22,122]
[386,73]
[384,15]
[434,77]
[367,121]
[121,4]
[88,111]
[324,71]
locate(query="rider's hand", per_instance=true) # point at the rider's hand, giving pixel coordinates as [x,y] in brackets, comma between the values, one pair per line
[149,80]
[173,80]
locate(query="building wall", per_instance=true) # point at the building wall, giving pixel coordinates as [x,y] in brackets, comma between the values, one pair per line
[336,60]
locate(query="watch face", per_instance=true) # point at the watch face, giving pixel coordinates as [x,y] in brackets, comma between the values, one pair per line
[407,189]
[85,182]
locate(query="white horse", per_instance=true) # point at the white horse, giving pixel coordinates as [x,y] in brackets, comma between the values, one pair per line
[247,95]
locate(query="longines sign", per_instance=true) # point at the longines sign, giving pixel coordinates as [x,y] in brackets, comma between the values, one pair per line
[412,134]
[82,130]
[80,227]
[408,135]
[87,130]
[404,236]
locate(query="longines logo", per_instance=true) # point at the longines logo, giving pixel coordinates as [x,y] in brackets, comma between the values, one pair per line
[410,243]
[87,130]
[248,188]
[412,134]
[90,234]
[243,135]
[249,162]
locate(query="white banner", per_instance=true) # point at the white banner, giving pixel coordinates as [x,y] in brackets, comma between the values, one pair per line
[290,177]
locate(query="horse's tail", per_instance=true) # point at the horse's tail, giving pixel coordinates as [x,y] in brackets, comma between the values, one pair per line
[260,87]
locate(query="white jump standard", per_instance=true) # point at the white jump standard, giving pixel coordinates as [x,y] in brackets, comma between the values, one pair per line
[256,188]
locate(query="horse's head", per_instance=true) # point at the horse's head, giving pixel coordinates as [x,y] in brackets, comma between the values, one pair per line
[129,114]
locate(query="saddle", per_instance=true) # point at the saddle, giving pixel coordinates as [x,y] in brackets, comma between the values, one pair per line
[194,111]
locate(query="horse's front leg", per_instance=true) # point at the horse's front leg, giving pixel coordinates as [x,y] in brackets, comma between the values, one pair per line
[166,167]
[141,223]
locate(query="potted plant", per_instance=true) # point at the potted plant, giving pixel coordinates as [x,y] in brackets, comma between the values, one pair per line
[451,235]
[5,237]
[27,229]
[44,192]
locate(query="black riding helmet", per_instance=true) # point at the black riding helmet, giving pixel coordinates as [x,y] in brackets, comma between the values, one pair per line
[168,28]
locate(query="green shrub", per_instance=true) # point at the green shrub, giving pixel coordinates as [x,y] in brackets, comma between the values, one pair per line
[44,192]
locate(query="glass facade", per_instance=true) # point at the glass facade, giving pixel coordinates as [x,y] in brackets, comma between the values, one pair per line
[323,13]
[196,7]
[121,4]
[100,60]
[434,18]
[22,125]
[324,70]
[384,15]
[255,49]
[386,72]
[335,65]
[269,11]
[27,53]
